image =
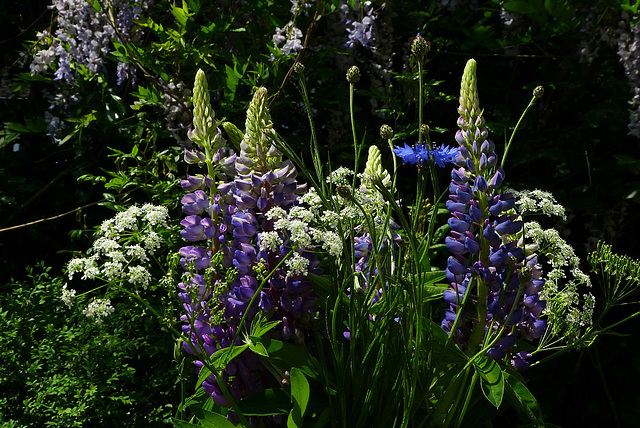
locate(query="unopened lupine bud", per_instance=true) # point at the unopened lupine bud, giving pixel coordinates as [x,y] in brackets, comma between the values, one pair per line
[538,92]
[235,135]
[420,47]
[469,101]
[203,122]
[374,169]
[386,132]
[353,74]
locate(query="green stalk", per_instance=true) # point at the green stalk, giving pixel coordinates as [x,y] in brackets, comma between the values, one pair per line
[315,151]
[356,147]
[506,149]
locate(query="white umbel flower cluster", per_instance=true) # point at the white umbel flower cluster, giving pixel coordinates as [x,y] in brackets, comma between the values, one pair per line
[98,309]
[125,244]
[569,308]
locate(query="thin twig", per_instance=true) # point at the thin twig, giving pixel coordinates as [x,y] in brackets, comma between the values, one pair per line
[51,218]
[307,37]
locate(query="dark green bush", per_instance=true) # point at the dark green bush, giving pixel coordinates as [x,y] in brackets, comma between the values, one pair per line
[60,368]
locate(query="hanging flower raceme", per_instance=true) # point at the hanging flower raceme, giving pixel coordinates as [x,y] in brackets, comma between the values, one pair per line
[494,294]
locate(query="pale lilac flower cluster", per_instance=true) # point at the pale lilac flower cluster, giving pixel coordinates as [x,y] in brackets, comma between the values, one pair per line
[177,110]
[629,53]
[360,21]
[288,39]
[84,36]
[615,31]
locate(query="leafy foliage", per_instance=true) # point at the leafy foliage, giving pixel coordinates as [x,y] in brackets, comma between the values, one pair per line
[59,368]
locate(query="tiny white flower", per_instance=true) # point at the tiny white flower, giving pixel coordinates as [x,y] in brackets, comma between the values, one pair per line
[108,229]
[67,296]
[137,252]
[339,177]
[138,275]
[270,240]
[112,270]
[98,309]
[105,245]
[301,213]
[155,214]
[75,265]
[311,199]
[299,233]
[331,219]
[297,265]
[276,213]
[116,256]
[151,241]
[127,220]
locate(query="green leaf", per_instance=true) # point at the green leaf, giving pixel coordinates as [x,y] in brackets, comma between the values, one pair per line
[223,356]
[520,7]
[300,395]
[211,419]
[434,292]
[491,379]
[275,401]
[261,325]
[232,82]
[257,347]
[285,355]
[182,424]
[523,400]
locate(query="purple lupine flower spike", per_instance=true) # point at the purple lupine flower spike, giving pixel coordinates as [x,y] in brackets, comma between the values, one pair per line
[483,243]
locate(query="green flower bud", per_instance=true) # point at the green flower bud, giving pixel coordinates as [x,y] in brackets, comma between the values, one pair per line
[204,132]
[538,92]
[257,144]
[420,47]
[353,74]
[424,128]
[298,67]
[235,135]
[469,101]
[374,170]
[386,132]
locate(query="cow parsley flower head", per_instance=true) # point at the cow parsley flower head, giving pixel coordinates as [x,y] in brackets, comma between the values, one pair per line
[297,265]
[98,309]
[139,275]
[538,201]
[67,296]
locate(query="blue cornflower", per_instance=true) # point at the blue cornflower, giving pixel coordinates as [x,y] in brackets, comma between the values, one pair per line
[420,153]
[444,154]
